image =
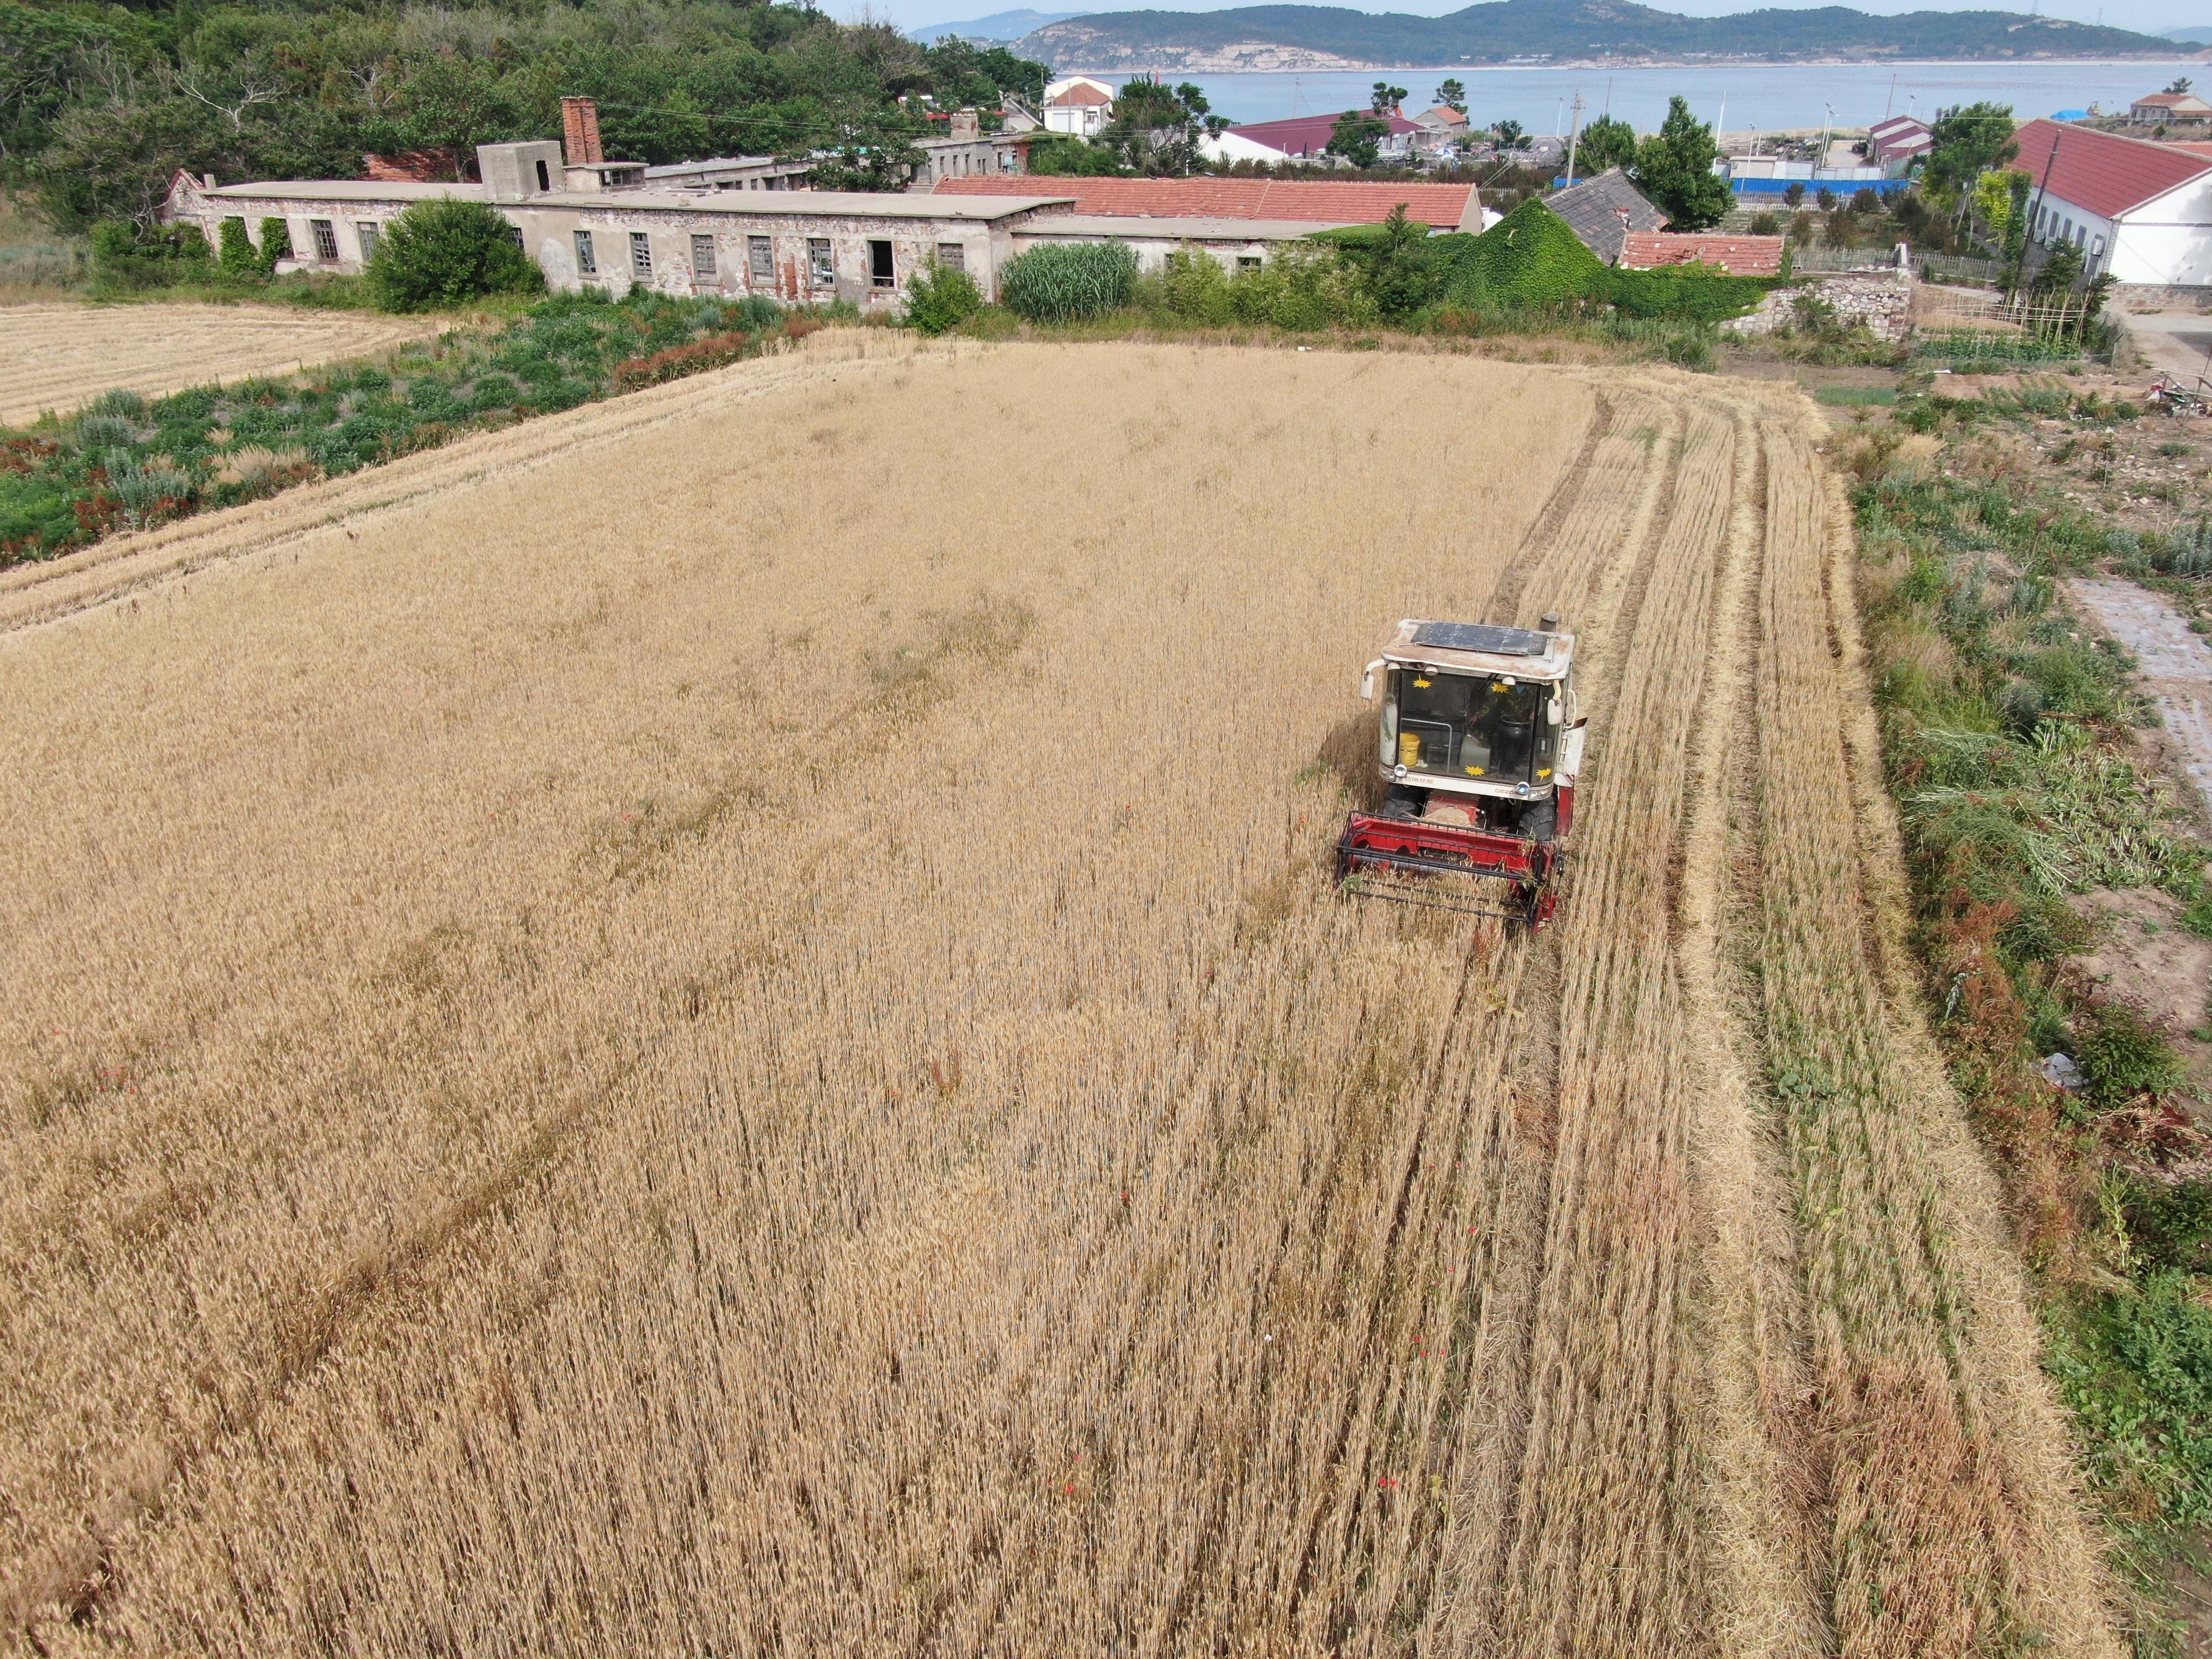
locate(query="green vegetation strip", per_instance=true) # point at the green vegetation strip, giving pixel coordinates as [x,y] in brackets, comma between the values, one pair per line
[2005,734]
[125,462]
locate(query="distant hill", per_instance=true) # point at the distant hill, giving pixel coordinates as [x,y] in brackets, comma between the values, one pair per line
[1553,31]
[2197,37]
[999,27]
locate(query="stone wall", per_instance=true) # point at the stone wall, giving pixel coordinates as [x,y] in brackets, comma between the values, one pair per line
[1883,299]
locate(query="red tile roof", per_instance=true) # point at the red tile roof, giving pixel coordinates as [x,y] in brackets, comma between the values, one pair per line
[1445,206]
[1078,93]
[2193,147]
[2101,171]
[1740,256]
[2188,100]
[1308,134]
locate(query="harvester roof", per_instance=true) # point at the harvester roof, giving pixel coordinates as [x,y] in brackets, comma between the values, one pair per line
[1481,648]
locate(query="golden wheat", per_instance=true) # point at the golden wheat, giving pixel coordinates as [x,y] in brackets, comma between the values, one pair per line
[59,356]
[717,1022]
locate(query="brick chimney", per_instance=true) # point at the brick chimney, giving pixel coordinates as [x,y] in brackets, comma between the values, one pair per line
[579,132]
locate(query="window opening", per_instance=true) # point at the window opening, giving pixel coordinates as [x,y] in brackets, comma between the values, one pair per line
[640,254]
[881,271]
[366,235]
[327,238]
[763,258]
[1456,725]
[952,256]
[587,263]
[819,267]
[702,256]
[545,178]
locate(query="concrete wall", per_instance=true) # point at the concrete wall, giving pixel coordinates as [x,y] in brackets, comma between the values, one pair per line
[2065,220]
[1152,250]
[549,228]
[2167,241]
[550,233]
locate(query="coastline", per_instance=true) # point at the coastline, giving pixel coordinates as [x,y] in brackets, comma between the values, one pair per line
[1324,63]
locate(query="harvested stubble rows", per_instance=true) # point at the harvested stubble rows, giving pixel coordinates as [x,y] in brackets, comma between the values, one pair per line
[730,1035]
[59,356]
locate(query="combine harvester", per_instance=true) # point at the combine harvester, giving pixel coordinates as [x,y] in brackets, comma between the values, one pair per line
[1481,742]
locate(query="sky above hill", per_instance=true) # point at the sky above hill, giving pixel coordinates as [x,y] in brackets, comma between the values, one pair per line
[2150,16]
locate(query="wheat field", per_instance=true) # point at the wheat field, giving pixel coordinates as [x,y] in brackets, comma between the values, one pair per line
[59,356]
[717,1024]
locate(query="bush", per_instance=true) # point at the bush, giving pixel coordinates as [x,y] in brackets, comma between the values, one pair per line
[939,299]
[275,243]
[446,252]
[128,259]
[238,257]
[1194,288]
[1069,281]
[1766,224]
[1529,258]
[1693,294]
[2123,1054]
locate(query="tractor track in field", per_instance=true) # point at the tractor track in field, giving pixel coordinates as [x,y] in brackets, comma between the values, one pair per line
[1671,1277]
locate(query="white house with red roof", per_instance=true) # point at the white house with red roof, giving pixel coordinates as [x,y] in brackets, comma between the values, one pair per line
[2163,108]
[1078,106]
[2142,211]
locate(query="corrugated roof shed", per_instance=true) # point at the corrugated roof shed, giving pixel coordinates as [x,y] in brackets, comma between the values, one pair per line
[2102,172]
[1740,256]
[1592,212]
[1441,207]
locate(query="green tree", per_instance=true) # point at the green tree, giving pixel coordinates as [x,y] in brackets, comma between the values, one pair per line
[963,74]
[1991,203]
[2061,271]
[1156,130]
[446,251]
[1674,168]
[874,152]
[1508,134]
[1385,97]
[1357,136]
[1453,95]
[1607,141]
[1064,155]
[1968,140]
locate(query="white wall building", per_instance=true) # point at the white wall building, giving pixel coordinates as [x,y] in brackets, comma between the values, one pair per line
[1079,106]
[2142,211]
[797,246]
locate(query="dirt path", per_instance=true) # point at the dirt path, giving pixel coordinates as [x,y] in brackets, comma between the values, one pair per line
[2177,665]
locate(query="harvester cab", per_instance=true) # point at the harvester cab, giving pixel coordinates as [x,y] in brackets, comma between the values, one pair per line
[1480,743]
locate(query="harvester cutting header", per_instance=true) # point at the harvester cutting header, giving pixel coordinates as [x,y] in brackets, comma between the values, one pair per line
[1480,743]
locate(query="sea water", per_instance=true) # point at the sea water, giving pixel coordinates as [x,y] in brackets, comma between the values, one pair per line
[1749,97]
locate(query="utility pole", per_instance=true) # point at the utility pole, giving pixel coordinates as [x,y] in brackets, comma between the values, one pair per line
[1890,102]
[1574,135]
[2036,209]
